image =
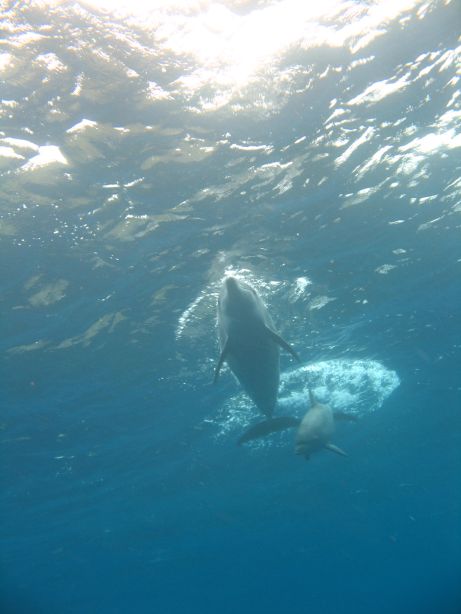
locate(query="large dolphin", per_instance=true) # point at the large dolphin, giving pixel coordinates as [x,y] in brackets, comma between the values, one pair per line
[314,430]
[249,344]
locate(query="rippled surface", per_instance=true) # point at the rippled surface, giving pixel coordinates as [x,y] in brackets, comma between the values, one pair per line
[310,149]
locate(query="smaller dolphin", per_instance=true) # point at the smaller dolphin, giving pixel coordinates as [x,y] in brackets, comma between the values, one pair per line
[314,430]
[249,343]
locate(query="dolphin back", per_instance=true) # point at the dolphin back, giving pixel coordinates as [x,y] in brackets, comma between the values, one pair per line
[249,344]
[248,349]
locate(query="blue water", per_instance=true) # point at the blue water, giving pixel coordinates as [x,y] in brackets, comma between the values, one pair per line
[312,151]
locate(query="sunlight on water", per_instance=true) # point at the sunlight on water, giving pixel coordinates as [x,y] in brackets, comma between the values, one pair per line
[230,46]
[48,154]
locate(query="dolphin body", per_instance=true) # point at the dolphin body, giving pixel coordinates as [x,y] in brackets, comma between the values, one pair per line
[314,430]
[249,344]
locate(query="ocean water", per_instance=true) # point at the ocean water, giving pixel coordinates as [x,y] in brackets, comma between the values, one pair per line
[146,152]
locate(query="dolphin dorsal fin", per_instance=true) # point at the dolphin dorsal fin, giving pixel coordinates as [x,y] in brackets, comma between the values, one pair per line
[312,399]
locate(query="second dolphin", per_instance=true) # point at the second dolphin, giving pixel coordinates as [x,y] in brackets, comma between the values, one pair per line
[314,430]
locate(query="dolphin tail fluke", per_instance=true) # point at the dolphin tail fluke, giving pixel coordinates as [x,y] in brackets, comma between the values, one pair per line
[282,343]
[333,448]
[273,425]
[222,358]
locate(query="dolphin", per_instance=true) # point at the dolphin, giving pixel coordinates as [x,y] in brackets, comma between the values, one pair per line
[313,430]
[249,343]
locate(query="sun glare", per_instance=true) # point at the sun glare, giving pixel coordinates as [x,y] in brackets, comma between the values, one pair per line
[218,36]
[229,48]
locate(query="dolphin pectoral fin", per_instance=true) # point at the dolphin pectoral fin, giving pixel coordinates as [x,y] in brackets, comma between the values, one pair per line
[342,415]
[222,358]
[273,425]
[278,339]
[333,448]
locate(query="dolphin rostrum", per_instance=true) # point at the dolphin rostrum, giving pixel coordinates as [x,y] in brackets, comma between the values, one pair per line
[249,344]
[314,430]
